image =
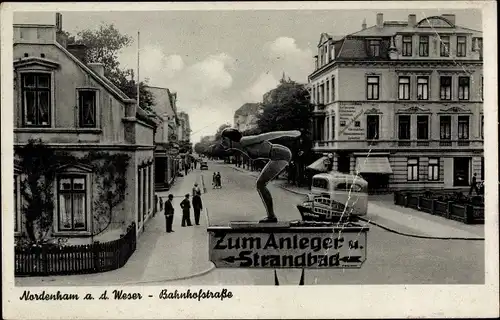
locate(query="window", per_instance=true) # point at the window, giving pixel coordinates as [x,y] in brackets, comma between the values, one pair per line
[333,127]
[372,127]
[445,46]
[407,46]
[412,169]
[333,89]
[36,99]
[463,127]
[404,88]
[422,88]
[482,127]
[327,91]
[463,88]
[433,174]
[422,127]
[461,46]
[87,108]
[322,93]
[320,183]
[372,87]
[445,88]
[423,46]
[374,48]
[72,200]
[404,127]
[482,88]
[445,130]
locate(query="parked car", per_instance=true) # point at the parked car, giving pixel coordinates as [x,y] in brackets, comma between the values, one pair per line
[203,165]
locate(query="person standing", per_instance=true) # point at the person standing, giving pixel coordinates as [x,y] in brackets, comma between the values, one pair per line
[473,185]
[218,178]
[169,213]
[196,190]
[214,180]
[186,211]
[197,207]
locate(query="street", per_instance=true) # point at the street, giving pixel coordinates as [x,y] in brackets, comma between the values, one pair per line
[182,258]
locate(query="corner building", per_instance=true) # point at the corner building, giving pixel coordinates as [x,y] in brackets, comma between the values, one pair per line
[401,103]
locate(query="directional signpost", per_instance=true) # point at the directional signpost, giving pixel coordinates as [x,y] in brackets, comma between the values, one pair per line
[286,245]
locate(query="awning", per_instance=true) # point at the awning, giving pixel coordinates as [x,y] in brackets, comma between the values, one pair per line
[373,165]
[318,165]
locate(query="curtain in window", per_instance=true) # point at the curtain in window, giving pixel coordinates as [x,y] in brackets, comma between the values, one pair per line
[65,211]
[43,107]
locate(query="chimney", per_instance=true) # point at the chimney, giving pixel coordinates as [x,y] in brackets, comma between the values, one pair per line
[412,20]
[363,26]
[380,20]
[78,50]
[97,67]
[61,37]
[449,17]
[58,22]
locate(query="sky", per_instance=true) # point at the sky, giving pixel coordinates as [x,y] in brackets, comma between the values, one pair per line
[218,60]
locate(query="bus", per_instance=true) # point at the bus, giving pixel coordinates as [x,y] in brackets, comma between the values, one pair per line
[335,196]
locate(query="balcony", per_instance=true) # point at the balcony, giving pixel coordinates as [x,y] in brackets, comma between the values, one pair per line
[397,144]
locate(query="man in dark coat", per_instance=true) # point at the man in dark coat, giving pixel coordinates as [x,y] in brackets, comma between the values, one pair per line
[186,208]
[169,213]
[197,207]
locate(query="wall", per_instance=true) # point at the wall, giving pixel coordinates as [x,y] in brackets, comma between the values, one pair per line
[66,79]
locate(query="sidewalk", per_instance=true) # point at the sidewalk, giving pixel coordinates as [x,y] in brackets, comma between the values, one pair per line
[382,211]
[159,256]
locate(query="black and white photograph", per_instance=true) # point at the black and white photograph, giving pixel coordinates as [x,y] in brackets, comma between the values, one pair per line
[225,159]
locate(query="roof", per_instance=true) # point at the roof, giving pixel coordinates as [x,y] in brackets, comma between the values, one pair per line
[247,108]
[103,80]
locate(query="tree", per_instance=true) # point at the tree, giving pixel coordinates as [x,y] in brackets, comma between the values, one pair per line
[39,165]
[103,46]
[219,131]
[288,107]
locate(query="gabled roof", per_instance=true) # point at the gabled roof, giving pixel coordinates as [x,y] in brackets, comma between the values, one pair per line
[22,62]
[102,80]
[326,36]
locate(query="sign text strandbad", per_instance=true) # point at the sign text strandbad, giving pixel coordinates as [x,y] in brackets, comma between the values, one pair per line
[288,250]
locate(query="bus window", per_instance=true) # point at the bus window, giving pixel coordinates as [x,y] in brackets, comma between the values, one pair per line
[349,187]
[320,183]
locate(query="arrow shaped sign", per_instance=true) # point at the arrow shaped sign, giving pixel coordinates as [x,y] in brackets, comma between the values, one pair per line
[232,259]
[350,259]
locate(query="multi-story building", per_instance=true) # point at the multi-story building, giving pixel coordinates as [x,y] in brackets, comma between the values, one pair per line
[184,129]
[167,147]
[401,103]
[245,118]
[73,108]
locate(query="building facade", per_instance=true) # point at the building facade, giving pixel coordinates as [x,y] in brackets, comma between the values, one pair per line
[71,107]
[166,140]
[245,118]
[401,103]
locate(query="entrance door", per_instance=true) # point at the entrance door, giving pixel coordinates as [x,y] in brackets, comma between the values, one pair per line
[461,171]
[344,163]
[160,170]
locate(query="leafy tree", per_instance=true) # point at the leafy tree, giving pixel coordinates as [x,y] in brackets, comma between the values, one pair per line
[103,46]
[39,165]
[219,131]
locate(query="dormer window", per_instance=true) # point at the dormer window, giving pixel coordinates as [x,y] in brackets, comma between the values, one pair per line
[87,108]
[374,48]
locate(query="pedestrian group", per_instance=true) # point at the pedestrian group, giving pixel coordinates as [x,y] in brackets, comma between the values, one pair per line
[186,206]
